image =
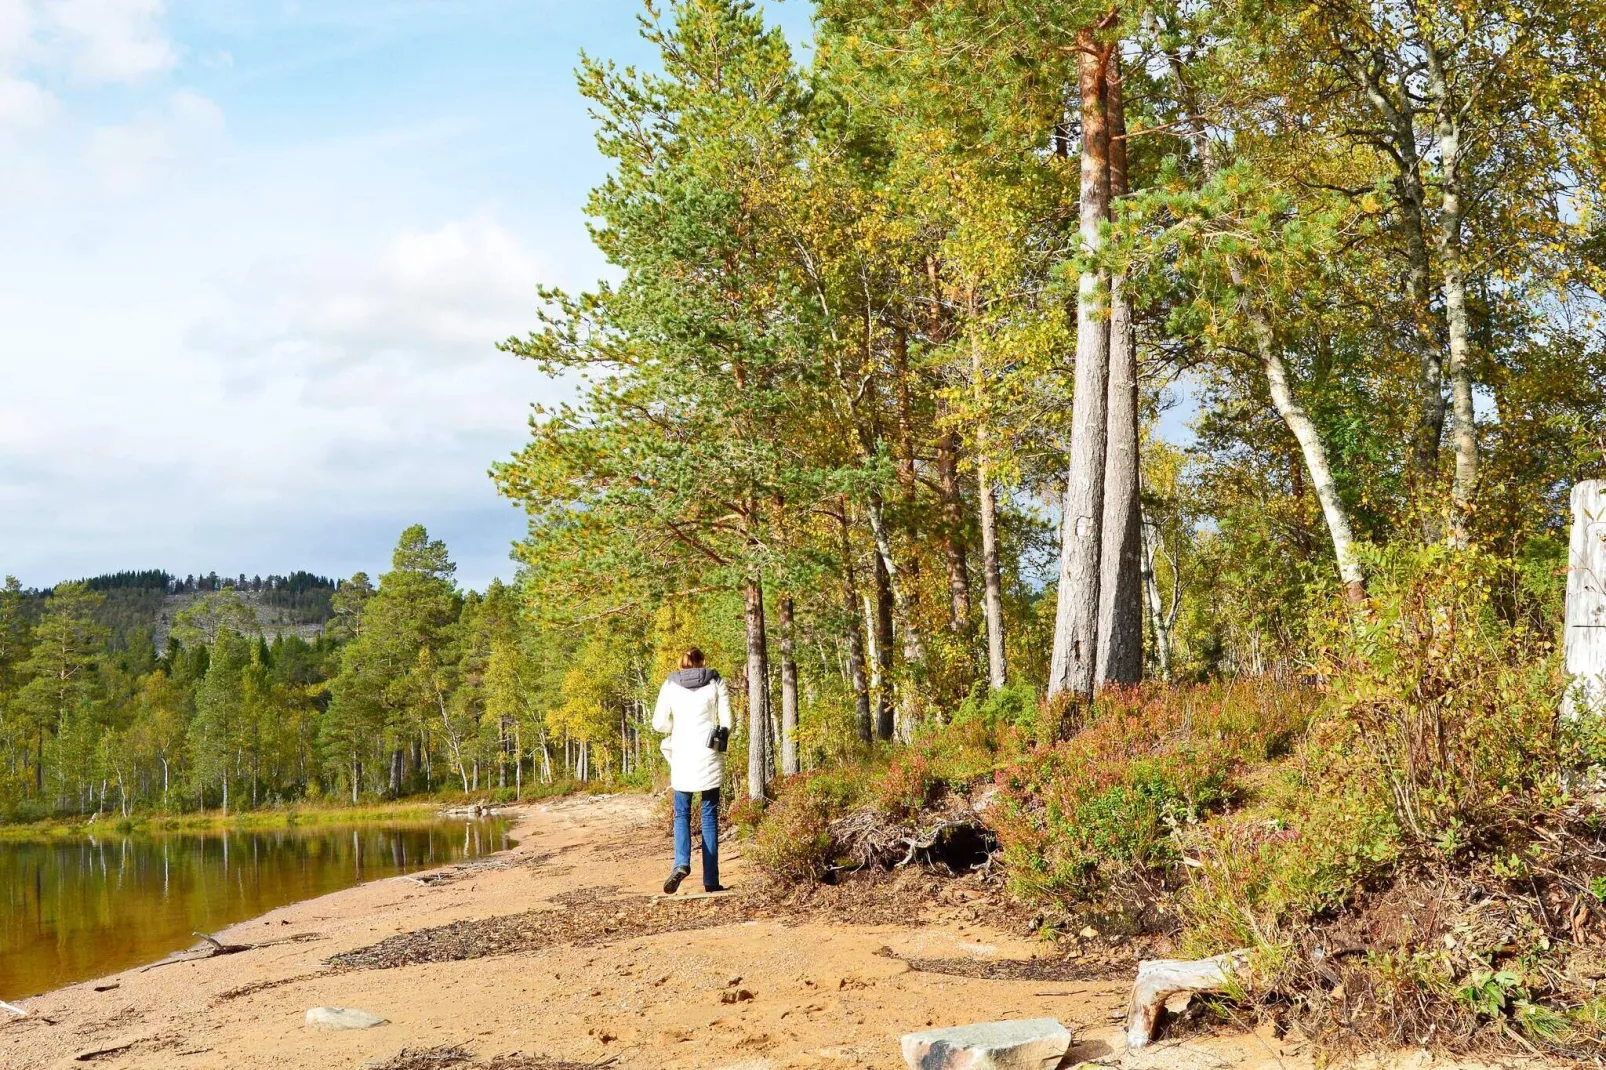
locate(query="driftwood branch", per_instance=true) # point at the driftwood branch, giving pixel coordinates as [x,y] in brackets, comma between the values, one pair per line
[1160,979]
[217,948]
[114,1049]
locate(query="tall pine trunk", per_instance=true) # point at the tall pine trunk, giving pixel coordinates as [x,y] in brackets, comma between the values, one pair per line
[987,507]
[758,691]
[1120,626]
[789,760]
[1073,664]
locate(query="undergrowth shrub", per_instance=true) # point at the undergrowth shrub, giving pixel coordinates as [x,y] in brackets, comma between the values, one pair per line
[1424,827]
[793,840]
[1147,763]
[909,785]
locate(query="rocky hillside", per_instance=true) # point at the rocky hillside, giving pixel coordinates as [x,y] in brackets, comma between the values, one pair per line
[149,602]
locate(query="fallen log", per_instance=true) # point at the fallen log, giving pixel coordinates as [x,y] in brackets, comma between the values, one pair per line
[1160,979]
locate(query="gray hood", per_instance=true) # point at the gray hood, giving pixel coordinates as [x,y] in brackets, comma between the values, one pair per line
[692,679]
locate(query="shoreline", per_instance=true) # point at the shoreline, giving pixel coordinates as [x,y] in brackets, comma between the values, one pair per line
[562,952]
[266,818]
[95,950]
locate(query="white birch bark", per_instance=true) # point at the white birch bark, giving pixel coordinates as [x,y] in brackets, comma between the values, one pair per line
[789,758]
[1452,269]
[1584,644]
[1311,447]
[1158,621]
[992,576]
[758,691]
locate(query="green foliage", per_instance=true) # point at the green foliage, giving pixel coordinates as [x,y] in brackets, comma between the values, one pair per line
[793,841]
[418,687]
[1145,767]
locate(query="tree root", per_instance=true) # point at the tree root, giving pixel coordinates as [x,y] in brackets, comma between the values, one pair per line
[869,839]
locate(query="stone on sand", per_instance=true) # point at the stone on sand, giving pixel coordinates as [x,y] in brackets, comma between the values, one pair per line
[1029,1044]
[342,1018]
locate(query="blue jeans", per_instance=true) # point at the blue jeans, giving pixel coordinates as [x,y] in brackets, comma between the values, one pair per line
[710,834]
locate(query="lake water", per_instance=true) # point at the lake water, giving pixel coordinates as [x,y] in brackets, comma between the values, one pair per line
[76,909]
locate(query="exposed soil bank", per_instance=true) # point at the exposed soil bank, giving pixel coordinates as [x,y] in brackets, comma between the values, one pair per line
[455,959]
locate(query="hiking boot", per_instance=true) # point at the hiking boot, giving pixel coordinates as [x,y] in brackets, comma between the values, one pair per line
[672,885]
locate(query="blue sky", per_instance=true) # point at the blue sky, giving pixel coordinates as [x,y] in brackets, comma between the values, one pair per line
[254,257]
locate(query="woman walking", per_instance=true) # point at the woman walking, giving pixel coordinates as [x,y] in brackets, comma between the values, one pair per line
[694,716]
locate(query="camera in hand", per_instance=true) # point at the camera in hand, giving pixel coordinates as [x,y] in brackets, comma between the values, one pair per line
[719,739]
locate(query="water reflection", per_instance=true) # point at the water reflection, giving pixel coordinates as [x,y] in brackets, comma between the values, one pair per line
[71,910]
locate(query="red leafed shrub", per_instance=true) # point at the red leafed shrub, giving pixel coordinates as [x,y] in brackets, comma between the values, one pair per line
[1148,762]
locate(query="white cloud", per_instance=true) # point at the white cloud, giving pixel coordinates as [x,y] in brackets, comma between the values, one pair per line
[16,28]
[128,156]
[316,401]
[110,40]
[435,297]
[92,42]
[25,105]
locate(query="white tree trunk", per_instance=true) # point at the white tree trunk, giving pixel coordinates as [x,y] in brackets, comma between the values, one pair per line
[1158,621]
[863,719]
[1585,640]
[789,760]
[1075,652]
[1120,621]
[758,691]
[992,576]
[1311,447]
[1447,129]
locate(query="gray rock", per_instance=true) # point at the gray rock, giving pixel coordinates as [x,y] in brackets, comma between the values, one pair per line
[342,1018]
[1029,1044]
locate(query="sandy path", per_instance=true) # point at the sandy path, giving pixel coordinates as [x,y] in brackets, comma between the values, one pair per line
[824,994]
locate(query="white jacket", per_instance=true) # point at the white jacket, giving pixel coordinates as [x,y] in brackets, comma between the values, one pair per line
[687,718]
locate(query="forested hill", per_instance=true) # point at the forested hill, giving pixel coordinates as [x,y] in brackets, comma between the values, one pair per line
[142,605]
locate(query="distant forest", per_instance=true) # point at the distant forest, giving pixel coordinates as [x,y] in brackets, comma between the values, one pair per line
[136,605]
[266,690]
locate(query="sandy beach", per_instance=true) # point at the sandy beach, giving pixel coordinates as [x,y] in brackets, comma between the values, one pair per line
[562,953]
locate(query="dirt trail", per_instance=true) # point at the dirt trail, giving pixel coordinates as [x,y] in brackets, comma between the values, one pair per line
[617,976]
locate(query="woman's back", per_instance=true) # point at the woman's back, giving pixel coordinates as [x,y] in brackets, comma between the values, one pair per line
[691,704]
